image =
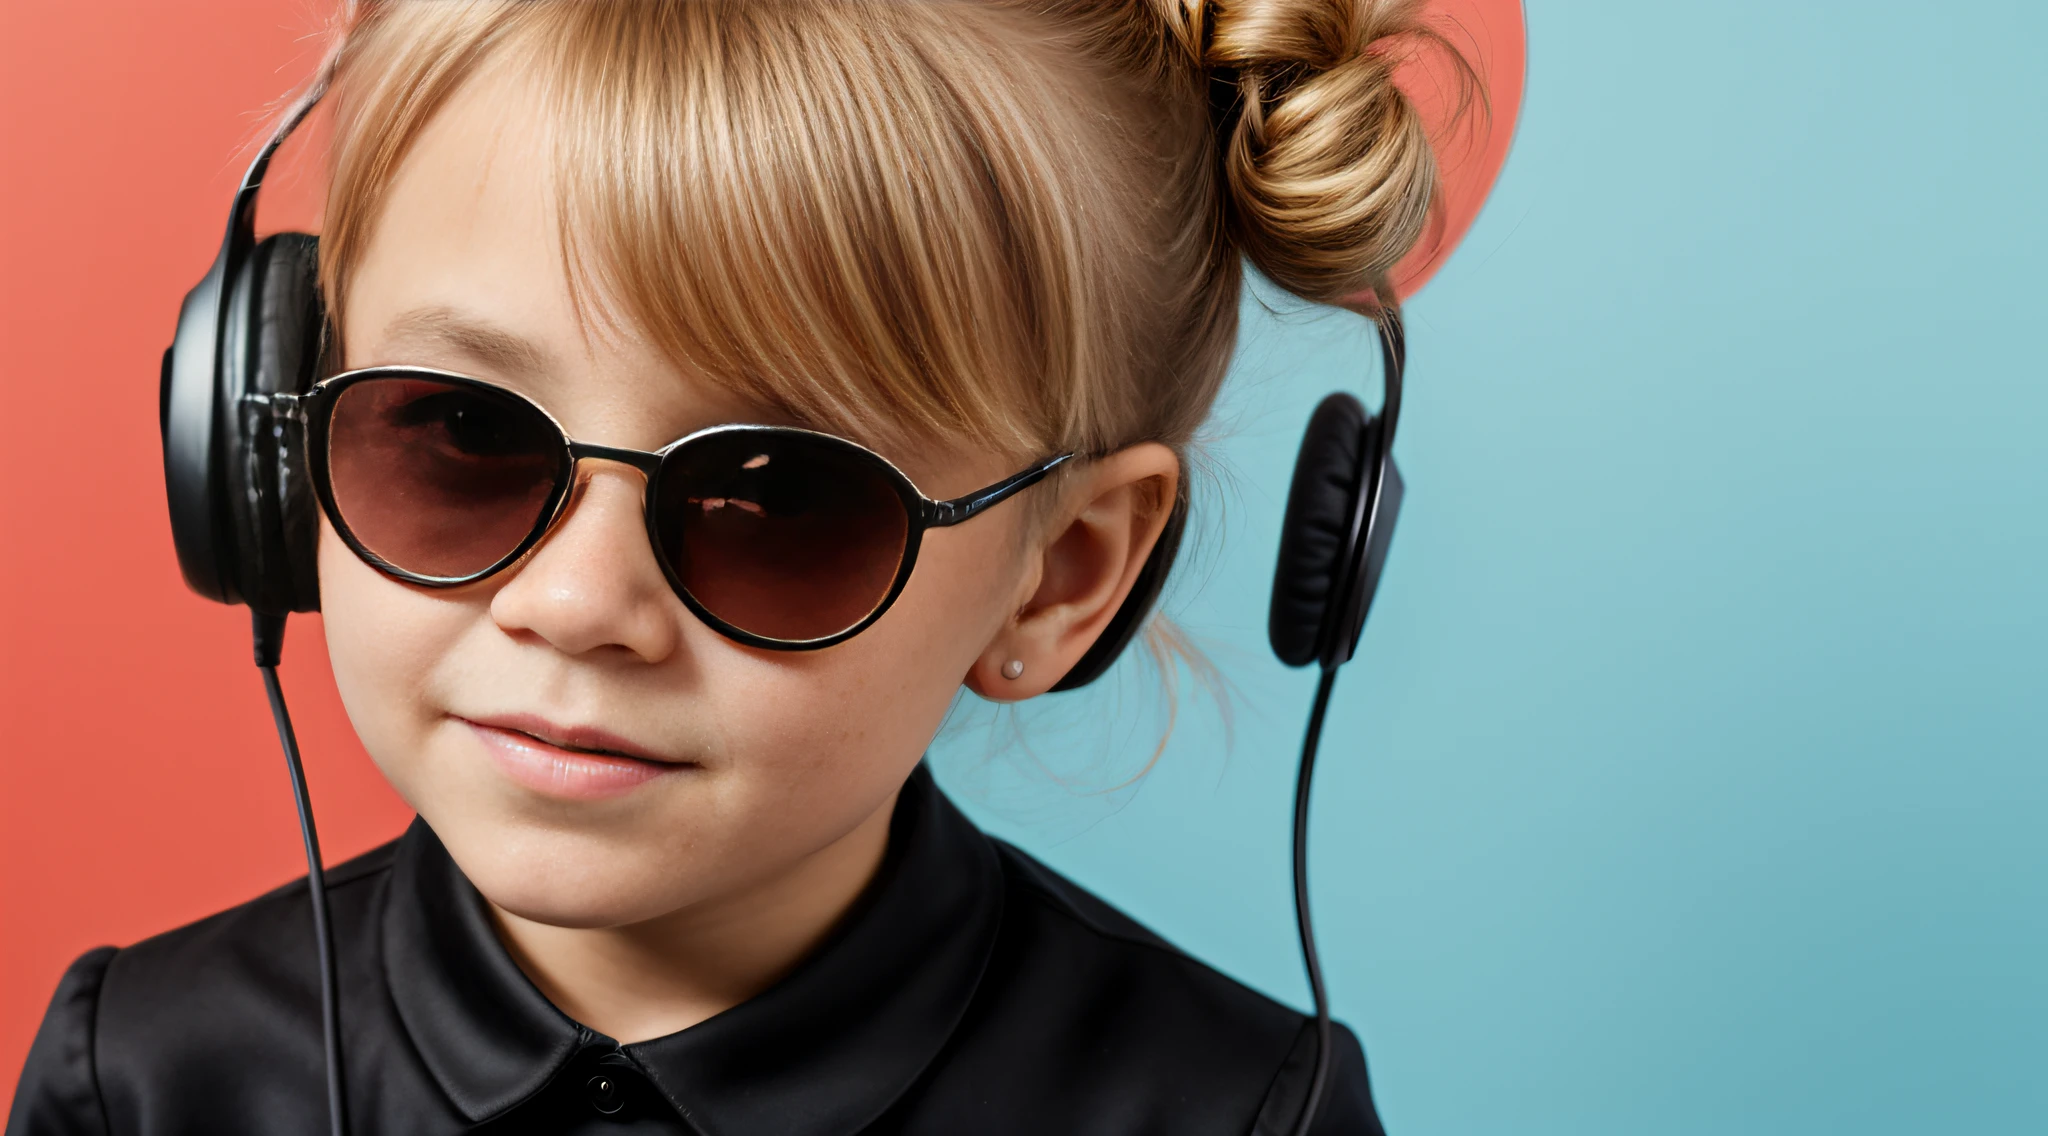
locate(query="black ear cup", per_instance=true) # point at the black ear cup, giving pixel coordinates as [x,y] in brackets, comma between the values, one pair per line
[1331,549]
[1315,533]
[188,415]
[1124,625]
[277,302]
[242,510]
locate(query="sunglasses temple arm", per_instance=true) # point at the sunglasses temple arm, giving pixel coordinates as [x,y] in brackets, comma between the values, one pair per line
[940,514]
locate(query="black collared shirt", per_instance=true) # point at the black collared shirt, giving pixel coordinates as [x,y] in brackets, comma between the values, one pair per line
[970,991]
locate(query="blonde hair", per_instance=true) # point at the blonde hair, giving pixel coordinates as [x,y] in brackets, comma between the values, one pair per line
[1018,223]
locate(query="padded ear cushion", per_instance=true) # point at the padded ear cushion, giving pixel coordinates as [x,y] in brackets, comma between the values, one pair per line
[1124,625]
[271,346]
[1316,532]
[188,413]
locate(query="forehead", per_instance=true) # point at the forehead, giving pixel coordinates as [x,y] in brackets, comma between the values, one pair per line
[467,215]
[466,270]
[842,211]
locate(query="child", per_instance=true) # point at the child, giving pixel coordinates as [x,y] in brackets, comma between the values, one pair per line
[931,296]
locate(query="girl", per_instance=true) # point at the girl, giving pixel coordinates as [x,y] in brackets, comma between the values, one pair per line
[935,293]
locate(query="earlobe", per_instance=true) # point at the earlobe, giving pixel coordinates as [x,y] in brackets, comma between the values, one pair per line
[1090,557]
[1008,680]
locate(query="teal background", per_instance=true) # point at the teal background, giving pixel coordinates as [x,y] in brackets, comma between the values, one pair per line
[1694,773]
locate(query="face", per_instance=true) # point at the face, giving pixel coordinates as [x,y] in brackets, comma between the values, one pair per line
[746,762]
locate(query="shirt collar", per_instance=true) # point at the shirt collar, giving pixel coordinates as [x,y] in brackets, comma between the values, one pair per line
[825,1050]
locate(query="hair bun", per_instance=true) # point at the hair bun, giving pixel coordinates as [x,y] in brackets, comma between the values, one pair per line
[1329,166]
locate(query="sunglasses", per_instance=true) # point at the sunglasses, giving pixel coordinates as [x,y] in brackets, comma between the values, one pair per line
[775,536]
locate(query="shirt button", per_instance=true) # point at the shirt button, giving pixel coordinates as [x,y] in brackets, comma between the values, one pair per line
[605,1094]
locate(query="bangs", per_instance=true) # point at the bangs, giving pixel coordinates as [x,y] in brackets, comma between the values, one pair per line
[866,215]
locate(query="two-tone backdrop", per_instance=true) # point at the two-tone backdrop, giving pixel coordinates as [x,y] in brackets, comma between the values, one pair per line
[1694,774]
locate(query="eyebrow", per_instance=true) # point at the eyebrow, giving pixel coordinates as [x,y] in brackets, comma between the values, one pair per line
[479,339]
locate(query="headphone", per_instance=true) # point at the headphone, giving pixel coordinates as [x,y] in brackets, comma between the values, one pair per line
[245,521]
[243,515]
[1334,537]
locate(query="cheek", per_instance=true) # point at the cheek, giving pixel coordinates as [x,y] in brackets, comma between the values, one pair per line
[849,722]
[385,641]
[800,746]
[910,664]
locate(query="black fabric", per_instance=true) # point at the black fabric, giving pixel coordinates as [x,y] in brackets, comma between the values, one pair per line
[972,990]
[1315,533]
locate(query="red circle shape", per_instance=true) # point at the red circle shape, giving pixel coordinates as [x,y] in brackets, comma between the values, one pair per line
[1472,147]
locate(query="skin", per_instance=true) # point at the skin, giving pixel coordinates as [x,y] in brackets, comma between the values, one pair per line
[645,912]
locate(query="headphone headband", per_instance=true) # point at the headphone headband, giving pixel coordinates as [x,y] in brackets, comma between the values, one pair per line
[241,235]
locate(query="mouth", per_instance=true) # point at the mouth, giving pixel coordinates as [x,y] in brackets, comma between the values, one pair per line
[570,763]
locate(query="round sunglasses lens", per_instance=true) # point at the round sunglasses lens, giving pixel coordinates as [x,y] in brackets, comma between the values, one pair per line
[439,479]
[787,536]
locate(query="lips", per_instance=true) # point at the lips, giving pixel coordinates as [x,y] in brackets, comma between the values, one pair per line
[578,739]
[569,762]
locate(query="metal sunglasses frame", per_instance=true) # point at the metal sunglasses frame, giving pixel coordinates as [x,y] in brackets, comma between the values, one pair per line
[315,408]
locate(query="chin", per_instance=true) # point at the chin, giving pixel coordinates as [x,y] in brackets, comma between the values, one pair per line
[565,877]
[568,909]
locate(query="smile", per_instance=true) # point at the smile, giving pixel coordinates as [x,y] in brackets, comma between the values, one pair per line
[578,764]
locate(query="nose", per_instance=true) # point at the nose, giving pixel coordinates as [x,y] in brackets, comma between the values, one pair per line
[593,582]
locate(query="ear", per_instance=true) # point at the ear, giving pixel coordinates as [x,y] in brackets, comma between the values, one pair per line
[1087,559]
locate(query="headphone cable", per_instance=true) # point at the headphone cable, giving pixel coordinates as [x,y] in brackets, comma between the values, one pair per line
[269,642]
[1302,923]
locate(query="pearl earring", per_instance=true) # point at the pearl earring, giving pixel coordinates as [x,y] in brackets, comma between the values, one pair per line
[1013,669]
